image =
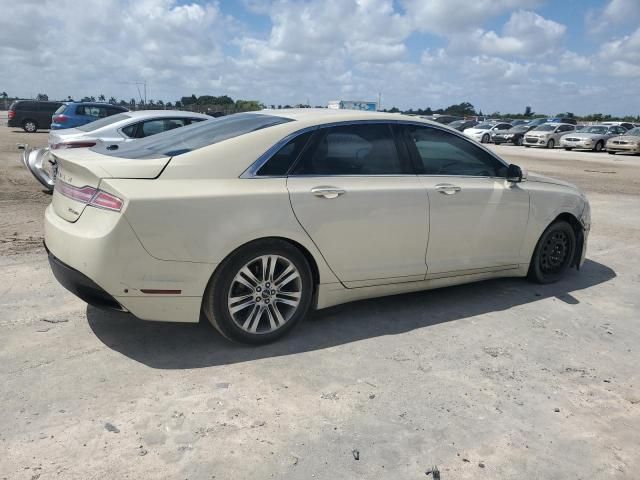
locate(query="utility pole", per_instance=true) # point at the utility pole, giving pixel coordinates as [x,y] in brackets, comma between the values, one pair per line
[379,101]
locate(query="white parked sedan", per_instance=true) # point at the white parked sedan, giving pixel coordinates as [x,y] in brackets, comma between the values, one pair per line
[257,217]
[111,131]
[123,127]
[547,135]
[484,131]
[593,137]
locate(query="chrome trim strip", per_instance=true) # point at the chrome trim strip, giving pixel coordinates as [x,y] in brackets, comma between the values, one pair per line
[266,156]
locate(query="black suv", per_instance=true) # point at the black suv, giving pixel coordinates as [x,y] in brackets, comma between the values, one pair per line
[31,114]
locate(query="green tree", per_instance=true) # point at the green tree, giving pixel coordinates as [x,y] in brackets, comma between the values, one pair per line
[42,97]
[101,97]
[113,100]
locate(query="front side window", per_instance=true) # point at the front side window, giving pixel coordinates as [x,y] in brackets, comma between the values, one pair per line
[358,149]
[444,153]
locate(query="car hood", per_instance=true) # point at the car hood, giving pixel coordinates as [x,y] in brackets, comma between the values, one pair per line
[627,138]
[586,135]
[476,130]
[535,177]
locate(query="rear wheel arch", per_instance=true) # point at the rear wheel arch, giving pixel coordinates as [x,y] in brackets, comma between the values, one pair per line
[311,260]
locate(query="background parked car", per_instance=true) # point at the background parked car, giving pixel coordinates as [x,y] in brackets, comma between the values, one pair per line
[31,114]
[536,122]
[626,125]
[569,120]
[514,135]
[547,135]
[591,138]
[75,114]
[462,125]
[483,131]
[628,143]
[109,133]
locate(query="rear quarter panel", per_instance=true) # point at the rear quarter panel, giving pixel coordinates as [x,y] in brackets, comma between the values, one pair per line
[204,220]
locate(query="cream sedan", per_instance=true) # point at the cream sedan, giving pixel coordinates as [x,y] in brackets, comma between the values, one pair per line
[258,217]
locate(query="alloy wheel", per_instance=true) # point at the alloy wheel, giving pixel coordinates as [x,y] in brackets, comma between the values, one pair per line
[265,294]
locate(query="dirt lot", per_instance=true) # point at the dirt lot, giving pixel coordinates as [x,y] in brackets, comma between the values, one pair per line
[498,380]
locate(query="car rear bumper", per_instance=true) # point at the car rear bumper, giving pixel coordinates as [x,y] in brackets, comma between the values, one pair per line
[100,259]
[81,285]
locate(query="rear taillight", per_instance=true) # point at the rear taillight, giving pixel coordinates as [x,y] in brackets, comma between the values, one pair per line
[63,145]
[89,196]
[60,118]
[11,114]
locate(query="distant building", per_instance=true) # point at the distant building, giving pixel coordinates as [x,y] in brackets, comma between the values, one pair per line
[353,105]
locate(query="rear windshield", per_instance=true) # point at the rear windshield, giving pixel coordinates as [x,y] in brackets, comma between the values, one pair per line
[192,137]
[103,122]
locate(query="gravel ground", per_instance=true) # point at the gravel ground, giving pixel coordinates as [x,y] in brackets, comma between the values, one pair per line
[498,380]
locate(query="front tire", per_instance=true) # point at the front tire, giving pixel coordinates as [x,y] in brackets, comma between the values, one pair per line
[485,138]
[519,141]
[30,126]
[599,146]
[260,292]
[554,253]
[551,144]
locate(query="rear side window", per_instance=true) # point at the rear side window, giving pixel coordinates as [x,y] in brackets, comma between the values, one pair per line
[199,135]
[60,109]
[280,163]
[443,153]
[365,149]
[25,106]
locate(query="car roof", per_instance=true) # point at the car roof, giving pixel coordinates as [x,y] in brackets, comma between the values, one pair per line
[96,104]
[330,115]
[165,113]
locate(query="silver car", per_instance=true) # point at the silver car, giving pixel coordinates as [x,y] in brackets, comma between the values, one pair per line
[110,131]
[591,138]
[547,135]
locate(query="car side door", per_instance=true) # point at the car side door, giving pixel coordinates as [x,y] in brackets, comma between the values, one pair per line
[355,193]
[477,218]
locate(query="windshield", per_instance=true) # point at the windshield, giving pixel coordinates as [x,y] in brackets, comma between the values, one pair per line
[634,131]
[485,126]
[546,128]
[599,130]
[519,128]
[103,122]
[182,140]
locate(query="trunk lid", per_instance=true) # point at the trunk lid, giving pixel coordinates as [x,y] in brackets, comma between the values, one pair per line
[79,172]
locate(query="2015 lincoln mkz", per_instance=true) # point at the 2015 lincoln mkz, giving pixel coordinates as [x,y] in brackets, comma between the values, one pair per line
[255,218]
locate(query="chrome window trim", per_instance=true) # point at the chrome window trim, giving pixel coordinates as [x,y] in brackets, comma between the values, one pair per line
[251,172]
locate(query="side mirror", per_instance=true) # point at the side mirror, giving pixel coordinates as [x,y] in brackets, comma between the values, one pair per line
[516,174]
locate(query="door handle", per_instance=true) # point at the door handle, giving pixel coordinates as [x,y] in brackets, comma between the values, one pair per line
[447,188]
[327,192]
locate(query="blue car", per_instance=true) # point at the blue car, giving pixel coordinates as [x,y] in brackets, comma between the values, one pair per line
[75,114]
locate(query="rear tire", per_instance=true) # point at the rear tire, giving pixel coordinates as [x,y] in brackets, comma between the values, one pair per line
[519,141]
[554,253]
[260,292]
[599,146]
[30,126]
[551,144]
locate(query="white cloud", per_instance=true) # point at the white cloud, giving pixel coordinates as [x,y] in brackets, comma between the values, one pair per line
[454,16]
[316,49]
[616,12]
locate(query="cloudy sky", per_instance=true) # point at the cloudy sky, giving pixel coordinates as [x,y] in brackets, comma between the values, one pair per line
[581,56]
